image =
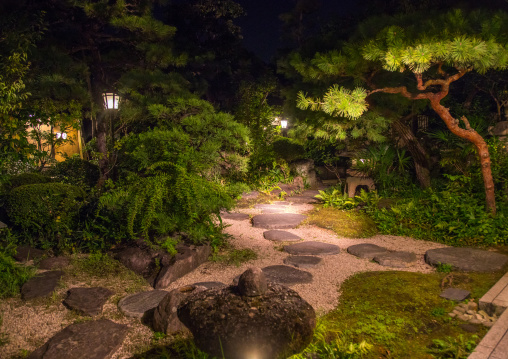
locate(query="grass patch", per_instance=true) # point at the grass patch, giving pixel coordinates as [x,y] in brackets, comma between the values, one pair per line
[233,256]
[350,224]
[401,315]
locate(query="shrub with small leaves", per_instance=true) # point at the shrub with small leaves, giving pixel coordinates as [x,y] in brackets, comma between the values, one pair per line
[75,171]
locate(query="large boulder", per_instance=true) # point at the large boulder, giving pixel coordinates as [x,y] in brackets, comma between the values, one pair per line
[225,322]
[306,169]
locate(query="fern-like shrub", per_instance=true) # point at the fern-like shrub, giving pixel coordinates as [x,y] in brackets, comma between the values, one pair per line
[45,213]
[12,275]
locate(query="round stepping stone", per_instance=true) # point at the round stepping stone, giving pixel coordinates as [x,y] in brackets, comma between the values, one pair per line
[395,259]
[26,253]
[366,250]
[136,305]
[209,285]
[303,261]
[41,285]
[466,259]
[277,221]
[88,301]
[280,236]
[286,275]
[94,339]
[312,248]
[54,263]
[235,216]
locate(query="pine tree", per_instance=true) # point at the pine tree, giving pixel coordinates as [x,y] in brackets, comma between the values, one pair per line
[435,52]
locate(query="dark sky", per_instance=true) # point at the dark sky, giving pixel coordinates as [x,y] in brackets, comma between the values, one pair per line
[261,27]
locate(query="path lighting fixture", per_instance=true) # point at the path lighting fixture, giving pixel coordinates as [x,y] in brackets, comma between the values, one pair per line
[111,100]
[284,124]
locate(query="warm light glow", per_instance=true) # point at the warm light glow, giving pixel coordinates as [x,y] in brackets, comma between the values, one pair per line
[58,135]
[284,123]
[111,100]
[61,135]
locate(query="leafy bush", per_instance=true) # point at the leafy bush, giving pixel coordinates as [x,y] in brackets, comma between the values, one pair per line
[12,275]
[46,212]
[27,178]
[75,171]
[287,149]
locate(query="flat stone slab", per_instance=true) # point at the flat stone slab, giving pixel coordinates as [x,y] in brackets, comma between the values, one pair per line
[455,294]
[87,301]
[209,285]
[303,261]
[280,236]
[41,285]
[395,259]
[303,199]
[26,253]
[277,220]
[250,195]
[235,216]
[91,339]
[286,275]
[366,250]
[54,263]
[136,305]
[466,259]
[312,248]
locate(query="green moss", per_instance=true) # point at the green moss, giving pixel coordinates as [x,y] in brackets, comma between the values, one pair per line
[349,224]
[232,256]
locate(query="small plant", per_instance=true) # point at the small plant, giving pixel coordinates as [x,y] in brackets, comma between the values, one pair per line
[444,268]
[438,312]
[98,264]
[456,348]
[12,275]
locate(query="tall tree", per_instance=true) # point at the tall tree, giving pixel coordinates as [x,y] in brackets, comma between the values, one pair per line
[436,52]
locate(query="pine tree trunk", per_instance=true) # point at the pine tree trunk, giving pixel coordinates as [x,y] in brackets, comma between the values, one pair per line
[418,152]
[102,146]
[474,137]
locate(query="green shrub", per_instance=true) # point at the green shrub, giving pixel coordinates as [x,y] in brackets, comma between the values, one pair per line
[76,171]
[12,275]
[27,178]
[287,149]
[46,212]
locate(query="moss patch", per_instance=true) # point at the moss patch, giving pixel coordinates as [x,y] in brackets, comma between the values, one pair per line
[402,316]
[349,224]
[233,256]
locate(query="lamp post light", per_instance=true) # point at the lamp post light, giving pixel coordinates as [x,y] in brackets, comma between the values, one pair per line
[284,124]
[111,100]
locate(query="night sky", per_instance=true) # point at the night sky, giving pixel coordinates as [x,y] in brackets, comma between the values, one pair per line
[261,28]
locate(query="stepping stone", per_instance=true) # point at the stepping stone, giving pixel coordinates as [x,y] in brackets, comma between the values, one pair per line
[54,263]
[280,236]
[277,221]
[303,261]
[302,199]
[209,285]
[395,259]
[312,248]
[87,301]
[455,294]
[136,305]
[98,339]
[26,253]
[366,250]
[271,208]
[41,285]
[286,275]
[250,195]
[234,216]
[466,259]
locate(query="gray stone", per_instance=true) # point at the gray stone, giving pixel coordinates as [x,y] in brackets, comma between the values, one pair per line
[395,259]
[87,301]
[305,168]
[165,318]
[54,263]
[141,260]
[303,261]
[274,206]
[466,259]
[41,285]
[280,236]
[277,221]
[227,325]
[186,260]
[209,285]
[366,250]
[26,253]
[136,305]
[303,199]
[286,275]
[455,294]
[500,129]
[91,339]
[312,248]
[250,195]
[2,225]
[252,283]
[234,216]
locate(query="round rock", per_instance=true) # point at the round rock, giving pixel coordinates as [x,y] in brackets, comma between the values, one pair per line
[286,275]
[395,259]
[303,261]
[87,301]
[280,236]
[277,220]
[136,305]
[466,259]
[252,283]
[366,250]
[312,248]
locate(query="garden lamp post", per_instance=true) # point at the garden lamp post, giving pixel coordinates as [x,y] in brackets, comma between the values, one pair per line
[105,123]
[284,127]
[111,100]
